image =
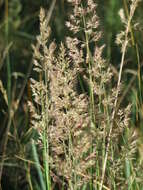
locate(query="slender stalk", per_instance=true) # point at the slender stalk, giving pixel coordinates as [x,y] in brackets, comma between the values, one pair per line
[45,138]
[27,166]
[46,120]
[135,45]
[89,61]
[35,155]
[117,93]
[51,10]
[10,113]
[5,143]
[7,56]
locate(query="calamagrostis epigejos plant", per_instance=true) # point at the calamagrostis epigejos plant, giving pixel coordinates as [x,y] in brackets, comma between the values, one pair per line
[64,114]
[76,118]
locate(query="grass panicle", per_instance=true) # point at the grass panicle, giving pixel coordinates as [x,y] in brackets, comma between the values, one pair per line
[83,135]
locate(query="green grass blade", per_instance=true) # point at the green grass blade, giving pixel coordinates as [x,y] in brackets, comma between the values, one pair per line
[35,155]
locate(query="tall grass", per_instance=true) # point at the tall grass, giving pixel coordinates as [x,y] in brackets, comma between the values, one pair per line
[81,135]
[85,135]
[8,94]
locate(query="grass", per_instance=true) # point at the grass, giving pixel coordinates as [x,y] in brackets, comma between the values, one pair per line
[80,133]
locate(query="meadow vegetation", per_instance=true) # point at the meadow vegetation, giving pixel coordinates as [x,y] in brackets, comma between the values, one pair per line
[79,124]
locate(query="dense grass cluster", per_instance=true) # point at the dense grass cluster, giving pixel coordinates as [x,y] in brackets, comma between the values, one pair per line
[81,134]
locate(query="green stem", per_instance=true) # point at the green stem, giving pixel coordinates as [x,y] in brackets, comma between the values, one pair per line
[37,163]
[7,57]
[135,46]
[89,61]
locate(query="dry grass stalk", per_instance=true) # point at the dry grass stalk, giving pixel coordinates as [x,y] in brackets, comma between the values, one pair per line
[124,43]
